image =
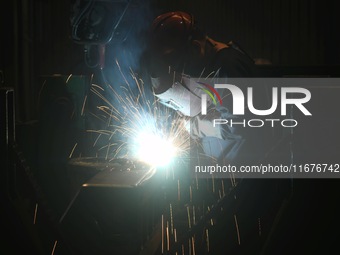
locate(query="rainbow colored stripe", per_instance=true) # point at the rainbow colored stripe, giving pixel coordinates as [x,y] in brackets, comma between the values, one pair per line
[210,90]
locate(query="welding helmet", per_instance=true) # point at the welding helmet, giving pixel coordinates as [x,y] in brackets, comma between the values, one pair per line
[184,96]
[171,36]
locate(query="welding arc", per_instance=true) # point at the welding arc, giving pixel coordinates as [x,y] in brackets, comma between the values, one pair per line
[210,94]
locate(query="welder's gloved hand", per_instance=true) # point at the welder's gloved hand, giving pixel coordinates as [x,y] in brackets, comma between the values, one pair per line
[219,142]
[203,126]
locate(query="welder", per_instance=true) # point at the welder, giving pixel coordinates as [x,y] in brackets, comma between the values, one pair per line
[179,50]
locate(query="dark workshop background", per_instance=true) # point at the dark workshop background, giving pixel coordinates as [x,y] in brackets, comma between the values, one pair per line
[285,37]
[36,36]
